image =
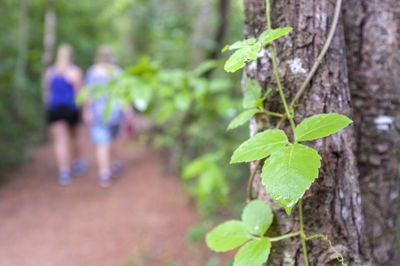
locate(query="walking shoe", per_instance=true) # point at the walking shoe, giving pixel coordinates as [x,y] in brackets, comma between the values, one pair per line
[105,179]
[64,178]
[78,167]
[116,167]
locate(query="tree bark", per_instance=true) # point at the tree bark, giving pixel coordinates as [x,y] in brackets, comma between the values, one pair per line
[333,204]
[49,37]
[372,30]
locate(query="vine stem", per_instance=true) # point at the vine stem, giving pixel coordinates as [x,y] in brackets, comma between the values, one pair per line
[276,73]
[302,235]
[279,238]
[250,196]
[317,62]
[272,113]
[339,256]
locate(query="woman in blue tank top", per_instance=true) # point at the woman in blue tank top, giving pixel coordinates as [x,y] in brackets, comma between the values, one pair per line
[61,83]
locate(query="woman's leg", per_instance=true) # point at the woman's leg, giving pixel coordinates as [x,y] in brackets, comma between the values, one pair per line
[61,144]
[75,152]
[103,157]
[78,165]
[104,164]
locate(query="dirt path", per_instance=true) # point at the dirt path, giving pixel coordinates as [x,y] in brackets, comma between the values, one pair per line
[141,220]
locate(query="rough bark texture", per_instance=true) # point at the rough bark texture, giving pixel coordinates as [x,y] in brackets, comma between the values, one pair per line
[372,30]
[333,205]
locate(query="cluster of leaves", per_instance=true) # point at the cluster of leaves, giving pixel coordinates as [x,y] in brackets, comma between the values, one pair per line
[288,171]
[182,104]
[290,168]
[253,103]
[248,49]
[250,231]
[211,181]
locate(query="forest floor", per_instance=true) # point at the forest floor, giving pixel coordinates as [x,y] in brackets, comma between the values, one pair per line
[141,219]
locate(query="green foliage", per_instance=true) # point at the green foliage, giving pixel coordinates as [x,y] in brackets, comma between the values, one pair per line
[212,180]
[256,219]
[291,168]
[247,50]
[255,252]
[252,102]
[273,34]
[197,166]
[252,94]
[260,146]
[183,104]
[227,236]
[289,172]
[241,56]
[243,118]
[319,126]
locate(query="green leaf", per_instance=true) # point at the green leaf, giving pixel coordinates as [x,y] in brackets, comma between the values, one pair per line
[204,67]
[242,118]
[273,34]
[252,93]
[108,108]
[195,167]
[241,44]
[242,56]
[257,217]
[226,47]
[319,126]
[260,101]
[82,96]
[227,236]
[205,185]
[289,172]
[260,146]
[253,253]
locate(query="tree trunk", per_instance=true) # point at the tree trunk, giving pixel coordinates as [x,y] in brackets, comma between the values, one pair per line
[372,30]
[49,37]
[223,8]
[333,204]
[201,32]
[20,66]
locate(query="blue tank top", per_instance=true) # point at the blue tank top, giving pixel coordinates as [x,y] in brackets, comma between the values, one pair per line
[61,92]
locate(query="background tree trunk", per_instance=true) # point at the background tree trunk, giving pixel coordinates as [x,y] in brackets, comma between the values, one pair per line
[49,38]
[223,8]
[20,66]
[201,30]
[372,30]
[333,205]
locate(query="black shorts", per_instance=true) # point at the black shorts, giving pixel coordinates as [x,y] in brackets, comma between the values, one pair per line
[63,113]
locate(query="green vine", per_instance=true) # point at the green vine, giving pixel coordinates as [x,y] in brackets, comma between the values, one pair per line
[290,167]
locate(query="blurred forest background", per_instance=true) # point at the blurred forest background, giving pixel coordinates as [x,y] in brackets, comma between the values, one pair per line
[171,54]
[173,46]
